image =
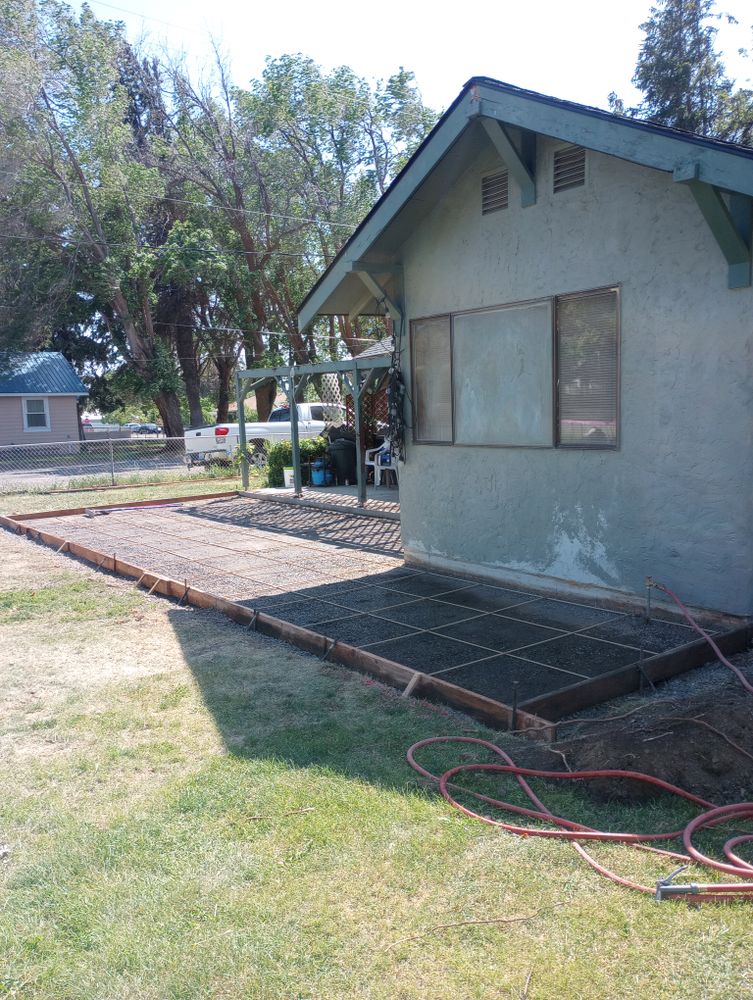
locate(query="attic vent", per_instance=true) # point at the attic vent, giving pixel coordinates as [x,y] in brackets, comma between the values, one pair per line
[569,168]
[494,189]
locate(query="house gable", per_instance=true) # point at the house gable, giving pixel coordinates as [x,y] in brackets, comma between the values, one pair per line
[365,277]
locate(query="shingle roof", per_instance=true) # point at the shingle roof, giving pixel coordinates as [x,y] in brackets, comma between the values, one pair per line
[379,349]
[43,373]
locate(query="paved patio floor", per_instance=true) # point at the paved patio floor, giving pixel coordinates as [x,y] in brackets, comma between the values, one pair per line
[343,576]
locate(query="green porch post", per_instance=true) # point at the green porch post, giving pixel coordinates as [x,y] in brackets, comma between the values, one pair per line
[240,396]
[294,441]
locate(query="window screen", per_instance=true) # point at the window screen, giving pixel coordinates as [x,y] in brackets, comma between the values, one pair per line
[502,365]
[432,379]
[587,344]
[36,414]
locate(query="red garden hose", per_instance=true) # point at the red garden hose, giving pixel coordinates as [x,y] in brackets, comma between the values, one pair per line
[566,829]
[694,624]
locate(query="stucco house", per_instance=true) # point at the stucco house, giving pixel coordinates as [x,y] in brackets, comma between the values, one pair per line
[39,394]
[571,295]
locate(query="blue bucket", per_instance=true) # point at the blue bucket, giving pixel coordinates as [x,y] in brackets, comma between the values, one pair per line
[318,475]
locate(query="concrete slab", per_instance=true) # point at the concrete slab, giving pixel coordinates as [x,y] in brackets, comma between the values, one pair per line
[342,576]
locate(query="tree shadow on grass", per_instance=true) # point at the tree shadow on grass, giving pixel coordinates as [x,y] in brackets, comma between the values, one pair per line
[269,700]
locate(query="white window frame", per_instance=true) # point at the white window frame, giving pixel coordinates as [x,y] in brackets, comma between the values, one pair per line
[35,399]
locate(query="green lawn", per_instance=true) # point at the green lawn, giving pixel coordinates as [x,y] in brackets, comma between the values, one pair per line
[192,811]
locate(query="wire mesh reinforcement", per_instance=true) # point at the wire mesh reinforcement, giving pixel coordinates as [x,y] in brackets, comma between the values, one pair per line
[106,462]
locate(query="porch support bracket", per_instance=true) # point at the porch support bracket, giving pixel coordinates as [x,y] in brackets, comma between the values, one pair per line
[730,225]
[376,290]
[522,172]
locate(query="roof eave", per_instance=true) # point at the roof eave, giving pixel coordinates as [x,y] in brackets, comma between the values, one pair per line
[683,155]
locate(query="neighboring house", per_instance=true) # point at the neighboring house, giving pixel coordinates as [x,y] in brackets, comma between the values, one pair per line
[39,396]
[572,296]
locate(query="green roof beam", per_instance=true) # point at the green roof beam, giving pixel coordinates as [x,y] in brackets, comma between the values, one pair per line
[523,172]
[381,295]
[730,226]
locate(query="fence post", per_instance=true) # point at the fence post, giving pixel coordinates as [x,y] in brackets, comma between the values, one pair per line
[112,461]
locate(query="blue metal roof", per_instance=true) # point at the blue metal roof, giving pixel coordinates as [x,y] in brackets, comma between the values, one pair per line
[43,373]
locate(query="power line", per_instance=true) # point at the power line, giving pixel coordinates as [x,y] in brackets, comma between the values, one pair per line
[237,211]
[263,215]
[148,246]
[145,17]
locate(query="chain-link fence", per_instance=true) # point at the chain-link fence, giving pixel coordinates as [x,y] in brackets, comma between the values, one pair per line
[107,462]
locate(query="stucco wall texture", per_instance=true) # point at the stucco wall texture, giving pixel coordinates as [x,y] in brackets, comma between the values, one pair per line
[63,421]
[674,501]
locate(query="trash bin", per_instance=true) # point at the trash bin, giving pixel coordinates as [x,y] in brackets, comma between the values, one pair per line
[343,455]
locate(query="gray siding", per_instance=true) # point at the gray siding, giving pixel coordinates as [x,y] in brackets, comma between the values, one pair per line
[63,421]
[675,500]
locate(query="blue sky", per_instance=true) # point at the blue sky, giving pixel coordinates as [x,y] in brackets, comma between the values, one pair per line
[578,51]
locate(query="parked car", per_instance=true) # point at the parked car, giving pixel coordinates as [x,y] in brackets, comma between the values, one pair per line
[148,429]
[219,442]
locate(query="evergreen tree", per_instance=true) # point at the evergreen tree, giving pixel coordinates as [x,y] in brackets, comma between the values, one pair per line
[682,77]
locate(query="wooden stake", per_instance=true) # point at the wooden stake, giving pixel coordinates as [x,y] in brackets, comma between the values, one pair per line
[408,690]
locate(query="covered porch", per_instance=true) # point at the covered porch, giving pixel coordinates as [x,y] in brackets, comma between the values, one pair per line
[359,378]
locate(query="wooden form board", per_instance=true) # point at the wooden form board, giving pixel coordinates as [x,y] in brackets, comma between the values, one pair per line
[395,674]
[535,717]
[135,504]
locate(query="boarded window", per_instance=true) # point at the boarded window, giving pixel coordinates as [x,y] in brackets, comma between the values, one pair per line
[432,380]
[502,366]
[35,415]
[494,192]
[587,369]
[569,168]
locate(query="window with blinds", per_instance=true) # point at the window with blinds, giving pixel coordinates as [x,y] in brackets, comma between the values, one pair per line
[494,192]
[569,168]
[432,380]
[587,327]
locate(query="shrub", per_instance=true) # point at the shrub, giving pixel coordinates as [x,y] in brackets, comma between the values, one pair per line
[280,455]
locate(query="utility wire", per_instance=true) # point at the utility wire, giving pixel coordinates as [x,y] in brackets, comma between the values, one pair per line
[148,246]
[236,211]
[145,17]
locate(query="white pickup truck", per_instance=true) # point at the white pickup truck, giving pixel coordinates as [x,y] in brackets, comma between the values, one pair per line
[219,442]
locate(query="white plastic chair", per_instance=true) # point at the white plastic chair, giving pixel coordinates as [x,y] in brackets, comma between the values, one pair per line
[381,460]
